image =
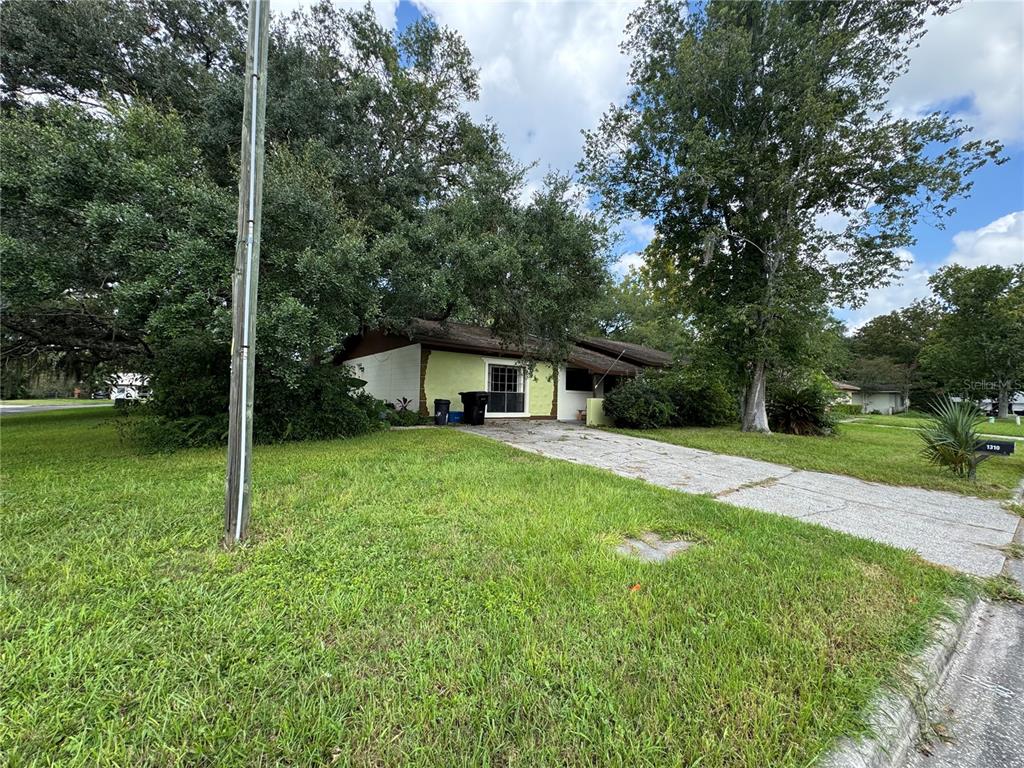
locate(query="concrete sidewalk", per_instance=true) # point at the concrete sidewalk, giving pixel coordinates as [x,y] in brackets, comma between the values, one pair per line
[977,717]
[961,532]
[978,705]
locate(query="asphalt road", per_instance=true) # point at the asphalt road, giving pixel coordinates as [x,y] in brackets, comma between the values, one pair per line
[8,409]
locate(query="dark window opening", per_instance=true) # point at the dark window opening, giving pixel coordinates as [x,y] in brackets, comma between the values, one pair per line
[578,380]
[611,383]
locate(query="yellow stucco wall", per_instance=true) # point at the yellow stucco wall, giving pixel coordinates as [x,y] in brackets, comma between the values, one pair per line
[542,390]
[449,373]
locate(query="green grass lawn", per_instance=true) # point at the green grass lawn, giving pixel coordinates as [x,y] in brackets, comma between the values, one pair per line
[998,427]
[424,597]
[869,452]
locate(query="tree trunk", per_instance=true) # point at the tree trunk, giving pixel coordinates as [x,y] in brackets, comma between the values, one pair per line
[755,414]
[1004,401]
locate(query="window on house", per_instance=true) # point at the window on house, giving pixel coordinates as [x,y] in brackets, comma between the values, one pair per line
[505,389]
[578,380]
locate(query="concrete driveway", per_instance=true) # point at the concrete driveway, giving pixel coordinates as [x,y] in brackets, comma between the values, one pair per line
[961,532]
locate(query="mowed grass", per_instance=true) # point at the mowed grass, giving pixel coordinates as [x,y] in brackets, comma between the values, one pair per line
[423,597]
[1006,427]
[876,453]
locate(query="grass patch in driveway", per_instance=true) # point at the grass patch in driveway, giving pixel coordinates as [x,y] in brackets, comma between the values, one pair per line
[878,454]
[426,597]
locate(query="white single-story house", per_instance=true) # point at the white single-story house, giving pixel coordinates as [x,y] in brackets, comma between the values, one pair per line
[883,400]
[436,360]
[872,399]
[846,391]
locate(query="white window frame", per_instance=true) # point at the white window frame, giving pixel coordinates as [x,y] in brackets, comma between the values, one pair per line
[508,363]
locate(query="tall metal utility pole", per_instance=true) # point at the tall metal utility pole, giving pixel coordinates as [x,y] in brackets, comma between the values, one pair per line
[246,277]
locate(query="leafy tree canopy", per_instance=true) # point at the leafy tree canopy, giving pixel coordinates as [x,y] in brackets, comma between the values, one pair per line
[749,122]
[887,351]
[633,311]
[383,199]
[976,349]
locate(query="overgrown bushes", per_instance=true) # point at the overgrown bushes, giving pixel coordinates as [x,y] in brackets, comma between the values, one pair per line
[403,417]
[803,408]
[329,404]
[639,404]
[699,397]
[686,397]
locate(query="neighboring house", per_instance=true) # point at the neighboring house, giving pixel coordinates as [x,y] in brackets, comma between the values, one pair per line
[437,360]
[872,399]
[882,399]
[846,391]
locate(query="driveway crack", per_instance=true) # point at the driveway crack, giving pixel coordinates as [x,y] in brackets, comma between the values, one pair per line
[767,482]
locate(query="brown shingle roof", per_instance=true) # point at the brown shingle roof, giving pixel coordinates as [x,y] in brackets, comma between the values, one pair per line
[460,337]
[634,353]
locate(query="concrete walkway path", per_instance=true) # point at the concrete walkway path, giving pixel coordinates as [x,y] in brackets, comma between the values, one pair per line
[961,532]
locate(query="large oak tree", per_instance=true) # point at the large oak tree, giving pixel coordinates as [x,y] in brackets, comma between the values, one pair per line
[384,200]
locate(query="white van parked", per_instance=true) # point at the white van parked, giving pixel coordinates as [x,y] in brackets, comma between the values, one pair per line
[129,387]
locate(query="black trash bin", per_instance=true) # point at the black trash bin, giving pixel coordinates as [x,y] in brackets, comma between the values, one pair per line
[441,411]
[473,405]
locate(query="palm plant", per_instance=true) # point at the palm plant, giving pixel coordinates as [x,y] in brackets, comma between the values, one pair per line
[951,437]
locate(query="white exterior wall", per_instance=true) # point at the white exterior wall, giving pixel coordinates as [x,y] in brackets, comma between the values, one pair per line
[392,374]
[571,403]
[883,402]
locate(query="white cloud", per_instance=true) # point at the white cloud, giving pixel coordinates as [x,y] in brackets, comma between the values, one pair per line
[1001,242]
[974,53]
[547,69]
[628,261]
[642,231]
[998,243]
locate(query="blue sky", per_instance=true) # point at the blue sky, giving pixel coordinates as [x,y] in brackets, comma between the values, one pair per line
[549,69]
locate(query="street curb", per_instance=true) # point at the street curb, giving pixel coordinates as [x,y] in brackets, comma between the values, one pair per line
[895,720]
